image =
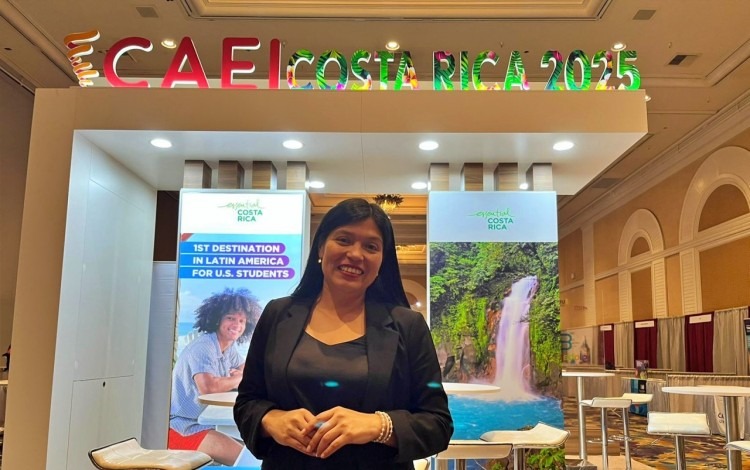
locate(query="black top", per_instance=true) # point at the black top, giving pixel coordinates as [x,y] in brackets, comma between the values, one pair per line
[323,376]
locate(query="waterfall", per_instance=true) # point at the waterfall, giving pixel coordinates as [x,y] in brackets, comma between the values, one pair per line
[512,354]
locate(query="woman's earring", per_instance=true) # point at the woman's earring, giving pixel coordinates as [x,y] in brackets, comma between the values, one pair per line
[320,260]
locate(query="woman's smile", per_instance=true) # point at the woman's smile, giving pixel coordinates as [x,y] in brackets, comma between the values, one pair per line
[351,257]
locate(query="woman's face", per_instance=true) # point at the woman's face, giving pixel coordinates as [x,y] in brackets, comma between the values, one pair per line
[231,326]
[351,257]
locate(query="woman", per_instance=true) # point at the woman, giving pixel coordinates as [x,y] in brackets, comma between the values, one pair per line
[342,375]
[210,364]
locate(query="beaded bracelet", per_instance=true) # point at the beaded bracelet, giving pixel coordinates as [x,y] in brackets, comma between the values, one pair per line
[383,423]
[386,428]
[390,428]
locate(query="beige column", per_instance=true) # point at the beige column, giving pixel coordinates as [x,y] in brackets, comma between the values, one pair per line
[197,174]
[539,177]
[626,299]
[589,274]
[690,274]
[472,177]
[659,291]
[506,177]
[438,176]
[231,174]
[264,175]
[297,175]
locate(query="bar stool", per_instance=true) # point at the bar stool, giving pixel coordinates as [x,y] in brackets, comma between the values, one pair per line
[743,446]
[678,425]
[635,399]
[541,436]
[459,450]
[612,403]
[129,455]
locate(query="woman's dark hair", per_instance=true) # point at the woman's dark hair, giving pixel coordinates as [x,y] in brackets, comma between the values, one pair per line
[387,287]
[208,316]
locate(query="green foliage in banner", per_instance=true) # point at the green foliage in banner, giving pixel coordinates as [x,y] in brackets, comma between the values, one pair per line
[468,283]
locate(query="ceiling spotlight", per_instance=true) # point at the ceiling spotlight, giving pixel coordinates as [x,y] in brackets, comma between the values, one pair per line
[428,145]
[292,144]
[169,43]
[419,185]
[647,98]
[392,45]
[161,143]
[619,46]
[523,186]
[563,145]
[316,185]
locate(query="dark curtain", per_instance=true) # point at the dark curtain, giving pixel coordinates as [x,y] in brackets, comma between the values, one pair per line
[699,345]
[646,345]
[607,346]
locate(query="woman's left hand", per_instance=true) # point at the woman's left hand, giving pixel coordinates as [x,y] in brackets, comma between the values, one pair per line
[340,426]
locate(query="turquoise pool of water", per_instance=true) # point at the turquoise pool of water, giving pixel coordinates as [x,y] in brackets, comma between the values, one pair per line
[474,416]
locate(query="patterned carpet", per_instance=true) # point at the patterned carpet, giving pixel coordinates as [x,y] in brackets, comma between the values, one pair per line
[656,452]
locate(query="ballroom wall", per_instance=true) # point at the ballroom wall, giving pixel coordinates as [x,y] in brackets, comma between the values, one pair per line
[16,105]
[642,258]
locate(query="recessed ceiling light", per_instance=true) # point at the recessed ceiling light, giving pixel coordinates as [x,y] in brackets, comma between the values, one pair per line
[161,143]
[619,46]
[647,98]
[392,45]
[292,144]
[428,145]
[419,185]
[523,186]
[169,43]
[316,184]
[563,145]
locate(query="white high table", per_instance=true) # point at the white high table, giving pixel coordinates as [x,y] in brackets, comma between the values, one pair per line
[455,388]
[218,399]
[730,394]
[460,450]
[451,388]
[580,375]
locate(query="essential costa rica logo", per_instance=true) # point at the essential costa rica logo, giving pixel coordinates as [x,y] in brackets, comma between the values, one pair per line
[499,219]
[247,211]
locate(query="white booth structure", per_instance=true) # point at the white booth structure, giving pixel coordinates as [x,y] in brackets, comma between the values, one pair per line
[84,278]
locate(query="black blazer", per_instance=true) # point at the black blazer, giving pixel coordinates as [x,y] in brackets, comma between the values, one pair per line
[403,379]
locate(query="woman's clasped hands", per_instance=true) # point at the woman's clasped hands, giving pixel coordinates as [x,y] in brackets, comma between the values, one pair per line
[322,435]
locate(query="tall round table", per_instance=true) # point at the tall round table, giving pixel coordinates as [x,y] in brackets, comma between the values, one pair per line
[218,399]
[454,453]
[730,394]
[455,388]
[451,388]
[580,375]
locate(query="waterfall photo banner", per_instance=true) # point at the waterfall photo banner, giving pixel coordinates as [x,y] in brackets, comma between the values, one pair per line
[494,308]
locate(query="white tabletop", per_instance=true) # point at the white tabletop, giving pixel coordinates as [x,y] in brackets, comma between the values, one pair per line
[218,399]
[586,373]
[451,388]
[455,388]
[709,390]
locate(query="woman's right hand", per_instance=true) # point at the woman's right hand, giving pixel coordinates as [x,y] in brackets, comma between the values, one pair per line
[286,428]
